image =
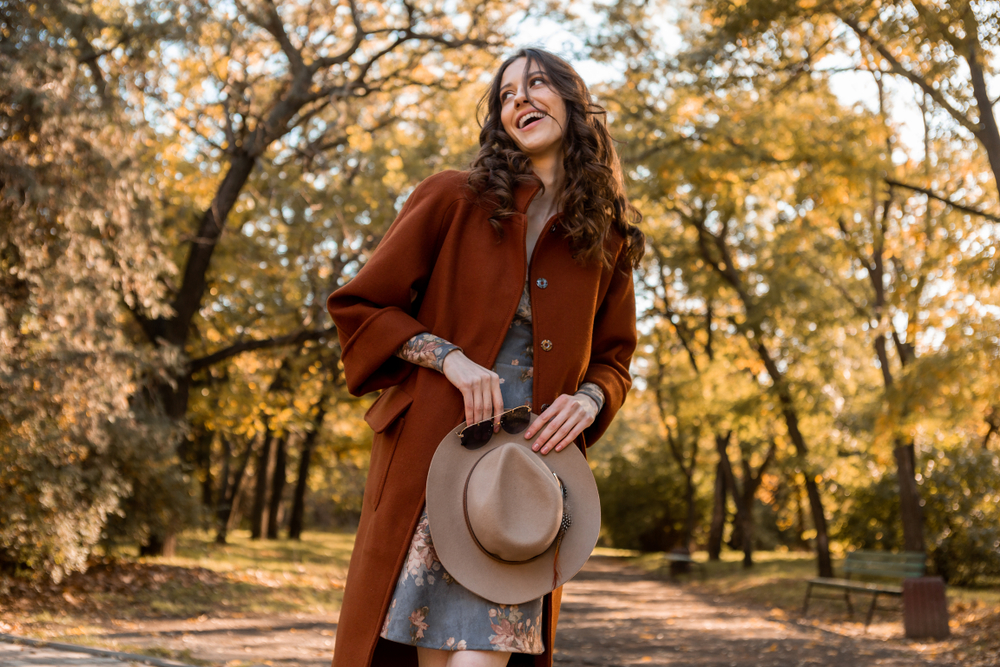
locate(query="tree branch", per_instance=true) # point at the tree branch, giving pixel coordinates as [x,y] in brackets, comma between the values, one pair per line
[348,53]
[275,26]
[944,200]
[916,79]
[296,338]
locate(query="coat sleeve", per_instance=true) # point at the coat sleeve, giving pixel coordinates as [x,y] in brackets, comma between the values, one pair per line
[372,312]
[613,344]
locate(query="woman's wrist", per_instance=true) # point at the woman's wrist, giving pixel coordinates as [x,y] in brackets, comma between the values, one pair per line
[593,392]
[427,350]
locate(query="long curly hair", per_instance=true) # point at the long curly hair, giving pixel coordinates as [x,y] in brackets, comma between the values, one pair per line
[593,199]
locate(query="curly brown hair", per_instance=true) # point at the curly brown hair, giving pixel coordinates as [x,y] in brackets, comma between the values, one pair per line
[594,199]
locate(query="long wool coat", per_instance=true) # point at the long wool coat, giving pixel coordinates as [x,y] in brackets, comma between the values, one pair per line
[442,268]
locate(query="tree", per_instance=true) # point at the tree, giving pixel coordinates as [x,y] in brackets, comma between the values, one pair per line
[77,226]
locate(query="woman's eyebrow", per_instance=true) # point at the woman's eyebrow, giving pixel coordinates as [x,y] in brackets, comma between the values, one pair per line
[530,74]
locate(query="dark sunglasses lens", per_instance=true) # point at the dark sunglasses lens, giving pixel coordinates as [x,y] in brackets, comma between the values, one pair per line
[517,419]
[477,435]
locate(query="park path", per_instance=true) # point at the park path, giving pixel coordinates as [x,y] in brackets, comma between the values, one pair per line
[20,655]
[612,615]
[615,616]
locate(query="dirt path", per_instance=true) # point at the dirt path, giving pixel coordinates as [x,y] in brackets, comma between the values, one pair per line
[615,616]
[612,616]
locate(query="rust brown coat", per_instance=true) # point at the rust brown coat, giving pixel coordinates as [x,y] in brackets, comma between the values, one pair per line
[441,268]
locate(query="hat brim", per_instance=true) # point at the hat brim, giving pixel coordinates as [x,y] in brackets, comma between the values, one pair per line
[509,583]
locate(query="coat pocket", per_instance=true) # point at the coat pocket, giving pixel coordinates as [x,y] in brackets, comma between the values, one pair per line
[386,417]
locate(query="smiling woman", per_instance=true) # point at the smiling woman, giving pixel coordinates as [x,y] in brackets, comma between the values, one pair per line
[533,115]
[508,285]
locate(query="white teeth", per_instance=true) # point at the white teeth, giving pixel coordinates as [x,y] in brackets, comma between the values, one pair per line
[528,116]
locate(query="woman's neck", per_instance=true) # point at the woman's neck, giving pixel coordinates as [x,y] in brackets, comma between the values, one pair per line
[553,176]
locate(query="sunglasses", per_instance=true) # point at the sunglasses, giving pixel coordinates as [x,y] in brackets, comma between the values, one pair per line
[513,421]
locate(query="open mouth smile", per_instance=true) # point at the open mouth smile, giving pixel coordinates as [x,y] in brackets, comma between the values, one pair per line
[530,118]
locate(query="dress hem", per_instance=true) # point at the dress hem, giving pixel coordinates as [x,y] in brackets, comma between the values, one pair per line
[489,649]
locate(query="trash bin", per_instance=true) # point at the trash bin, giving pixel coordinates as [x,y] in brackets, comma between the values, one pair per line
[925,609]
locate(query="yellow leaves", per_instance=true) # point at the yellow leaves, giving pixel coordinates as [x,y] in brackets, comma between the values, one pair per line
[359,139]
[221,68]
[394,163]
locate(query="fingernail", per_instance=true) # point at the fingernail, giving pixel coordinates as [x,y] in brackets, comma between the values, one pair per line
[534,447]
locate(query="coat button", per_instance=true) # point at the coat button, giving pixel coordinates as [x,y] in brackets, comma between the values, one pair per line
[542,282]
[546,345]
[552,228]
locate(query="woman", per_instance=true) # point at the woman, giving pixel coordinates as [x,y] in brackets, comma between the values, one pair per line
[509,284]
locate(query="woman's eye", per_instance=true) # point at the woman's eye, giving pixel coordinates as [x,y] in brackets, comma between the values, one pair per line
[536,80]
[505,94]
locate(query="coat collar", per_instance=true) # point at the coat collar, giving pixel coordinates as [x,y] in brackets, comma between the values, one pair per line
[524,192]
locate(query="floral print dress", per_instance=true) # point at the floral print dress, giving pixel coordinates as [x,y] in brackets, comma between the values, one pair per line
[429,608]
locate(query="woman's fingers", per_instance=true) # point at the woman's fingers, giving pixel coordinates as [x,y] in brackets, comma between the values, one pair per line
[480,387]
[559,425]
[497,401]
[564,437]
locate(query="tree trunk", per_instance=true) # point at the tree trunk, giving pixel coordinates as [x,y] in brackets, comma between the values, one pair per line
[222,497]
[731,487]
[205,464]
[227,507]
[236,509]
[718,515]
[729,272]
[158,545]
[989,133]
[258,514]
[823,562]
[800,515]
[909,497]
[750,484]
[278,482]
[174,331]
[741,523]
[911,512]
[295,524]
[690,520]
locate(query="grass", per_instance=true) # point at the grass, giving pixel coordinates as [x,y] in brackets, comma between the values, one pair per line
[776,584]
[240,579]
[776,580]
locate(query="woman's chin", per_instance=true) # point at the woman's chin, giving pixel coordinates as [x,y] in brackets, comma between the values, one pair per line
[539,150]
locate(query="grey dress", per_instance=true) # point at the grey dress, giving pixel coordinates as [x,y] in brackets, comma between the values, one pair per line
[429,608]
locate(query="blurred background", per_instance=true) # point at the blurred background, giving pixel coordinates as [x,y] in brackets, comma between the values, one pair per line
[183,183]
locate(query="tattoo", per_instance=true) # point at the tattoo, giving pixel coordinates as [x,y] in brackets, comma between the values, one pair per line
[426,350]
[593,392]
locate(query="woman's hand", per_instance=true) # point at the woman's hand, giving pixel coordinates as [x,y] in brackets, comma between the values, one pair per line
[480,388]
[560,423]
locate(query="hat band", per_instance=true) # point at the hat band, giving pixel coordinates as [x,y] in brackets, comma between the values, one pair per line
[563,526]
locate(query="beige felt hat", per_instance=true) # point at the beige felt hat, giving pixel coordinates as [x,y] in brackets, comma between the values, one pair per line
[507,523]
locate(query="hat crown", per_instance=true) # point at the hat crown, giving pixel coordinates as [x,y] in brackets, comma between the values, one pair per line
[513,504]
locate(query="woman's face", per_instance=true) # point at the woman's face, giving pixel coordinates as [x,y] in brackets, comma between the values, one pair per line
[536,126]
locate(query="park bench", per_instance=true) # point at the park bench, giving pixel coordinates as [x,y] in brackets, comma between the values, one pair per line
[680,562]
[870,564]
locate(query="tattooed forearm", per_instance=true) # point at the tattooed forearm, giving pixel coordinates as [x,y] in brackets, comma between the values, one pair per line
[593,392]
[426,350]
